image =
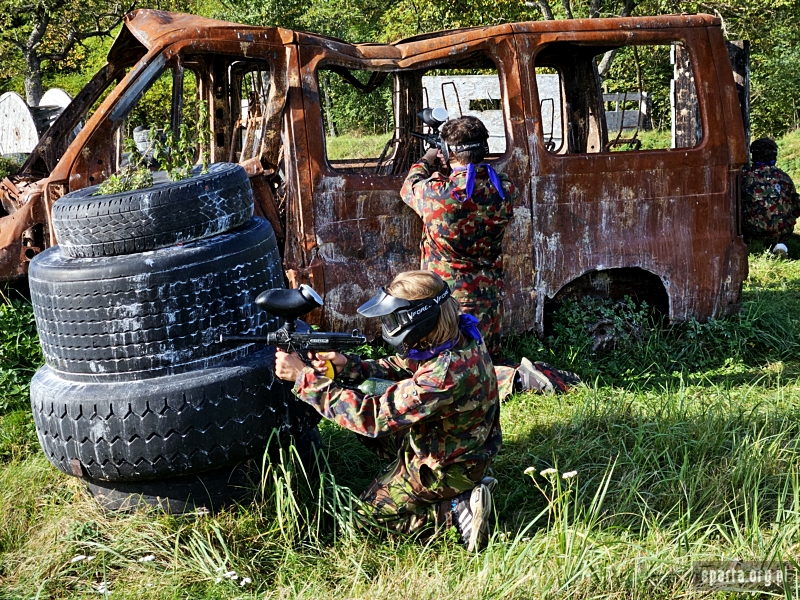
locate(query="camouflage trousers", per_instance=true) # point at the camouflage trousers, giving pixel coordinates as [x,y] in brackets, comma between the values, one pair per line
[406,501]
[768,237]
[505,380]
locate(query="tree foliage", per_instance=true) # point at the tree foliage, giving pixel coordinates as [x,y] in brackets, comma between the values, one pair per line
[770,26]
[48,30]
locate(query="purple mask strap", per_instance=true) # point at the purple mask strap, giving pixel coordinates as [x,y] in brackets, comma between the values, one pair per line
[470,181]
[415,354]
[470,185]
[495,179]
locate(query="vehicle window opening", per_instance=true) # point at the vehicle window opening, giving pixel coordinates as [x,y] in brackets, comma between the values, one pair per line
[358,118]
[252,83]
[368,116]
[470,88]
[169,102]
[645,100]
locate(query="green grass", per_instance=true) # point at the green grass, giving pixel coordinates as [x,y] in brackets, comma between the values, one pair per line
[654,139]
[686,443]
[347,146]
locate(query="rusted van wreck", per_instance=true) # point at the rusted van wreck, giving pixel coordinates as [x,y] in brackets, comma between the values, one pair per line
[597,213]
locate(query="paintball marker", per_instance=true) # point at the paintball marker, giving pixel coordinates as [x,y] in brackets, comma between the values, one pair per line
[433,118]
[289,305]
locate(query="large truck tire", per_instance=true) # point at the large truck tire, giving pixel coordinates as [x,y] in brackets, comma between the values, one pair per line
[154,313]
[165,426]
[168,213]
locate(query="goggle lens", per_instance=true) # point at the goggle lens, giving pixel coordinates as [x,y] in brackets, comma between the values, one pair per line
[391,324]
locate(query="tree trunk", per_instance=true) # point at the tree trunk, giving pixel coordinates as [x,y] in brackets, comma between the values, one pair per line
[608,57]
[547,13]
[605,63]
[33,79]
[328,107]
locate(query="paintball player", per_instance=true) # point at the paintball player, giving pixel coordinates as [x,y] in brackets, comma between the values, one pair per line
[769,201]
[464,216]
[438,419]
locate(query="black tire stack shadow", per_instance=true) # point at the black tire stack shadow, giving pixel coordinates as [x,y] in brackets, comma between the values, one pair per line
[137,396]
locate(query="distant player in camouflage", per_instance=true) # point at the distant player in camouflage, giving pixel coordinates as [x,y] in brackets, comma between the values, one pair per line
[464,216]
[437,416]
[770,204]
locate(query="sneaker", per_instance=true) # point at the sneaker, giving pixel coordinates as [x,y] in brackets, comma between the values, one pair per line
[560,379]
[531,378]
[471,514]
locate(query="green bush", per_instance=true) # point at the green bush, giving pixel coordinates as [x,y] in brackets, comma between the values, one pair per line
[622,341]
[8,167]
[20,354]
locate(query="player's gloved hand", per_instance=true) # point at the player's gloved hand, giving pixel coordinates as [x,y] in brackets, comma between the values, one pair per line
[431,156]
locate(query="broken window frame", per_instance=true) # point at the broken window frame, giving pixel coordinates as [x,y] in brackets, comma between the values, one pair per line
[600,123]
[403,144]
[368,165]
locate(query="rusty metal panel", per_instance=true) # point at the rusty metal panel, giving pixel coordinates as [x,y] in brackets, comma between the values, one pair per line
[666,212]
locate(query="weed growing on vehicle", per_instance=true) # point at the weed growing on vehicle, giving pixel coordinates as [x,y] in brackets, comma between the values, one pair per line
[134,176]
[174,153]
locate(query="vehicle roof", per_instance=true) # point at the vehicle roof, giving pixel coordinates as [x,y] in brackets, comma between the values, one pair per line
[150,26]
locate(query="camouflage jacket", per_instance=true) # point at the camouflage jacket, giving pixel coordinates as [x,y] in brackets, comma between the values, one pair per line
[462,239]
[448,404]
[769,201]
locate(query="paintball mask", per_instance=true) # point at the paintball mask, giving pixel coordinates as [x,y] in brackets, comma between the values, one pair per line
[404,322]
[471,145]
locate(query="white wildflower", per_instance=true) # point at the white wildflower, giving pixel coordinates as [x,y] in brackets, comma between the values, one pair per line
[231,575]
[569,474]
[218,580]
[547,472]
[245,581]
[103,588]
[529,470]
[78,558]
[147,558]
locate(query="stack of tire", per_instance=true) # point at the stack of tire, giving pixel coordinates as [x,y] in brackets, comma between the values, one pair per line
[137,396]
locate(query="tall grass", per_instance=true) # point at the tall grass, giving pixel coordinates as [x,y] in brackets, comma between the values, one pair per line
[343,147]
[684,442]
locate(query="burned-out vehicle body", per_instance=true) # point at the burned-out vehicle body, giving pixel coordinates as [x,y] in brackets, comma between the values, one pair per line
[593,216]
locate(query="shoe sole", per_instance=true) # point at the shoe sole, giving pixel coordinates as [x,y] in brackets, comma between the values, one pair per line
[545,386]
[480,503]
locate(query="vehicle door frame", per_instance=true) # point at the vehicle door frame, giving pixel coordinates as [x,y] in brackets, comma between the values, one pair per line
[330,188]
